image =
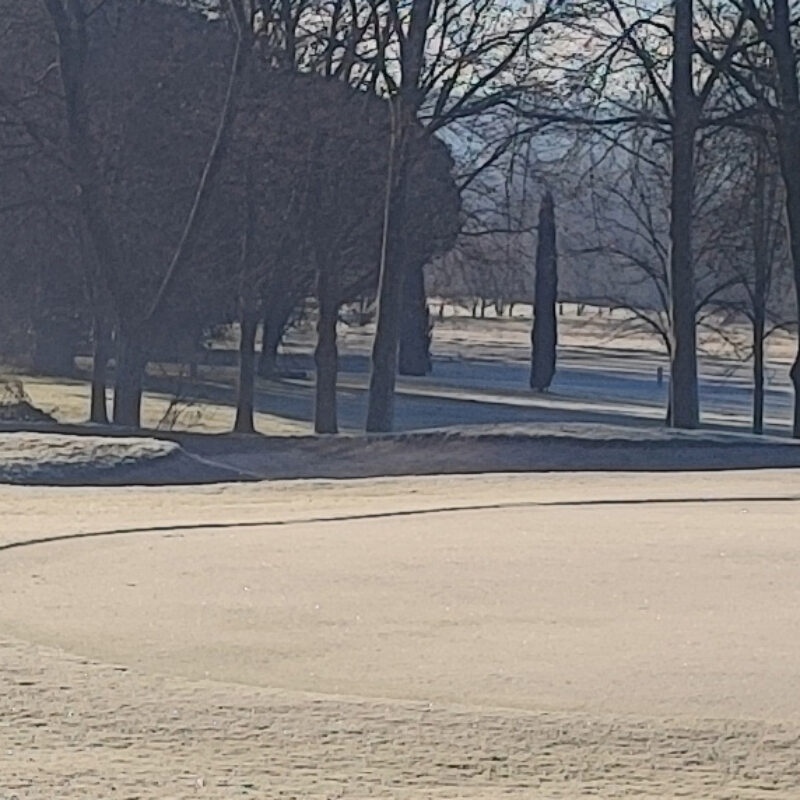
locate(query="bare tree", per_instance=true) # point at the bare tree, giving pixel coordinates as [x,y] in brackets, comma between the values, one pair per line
[775,87]
[423,55]
[679,93]
[626,246]
[757,251]
[75,23]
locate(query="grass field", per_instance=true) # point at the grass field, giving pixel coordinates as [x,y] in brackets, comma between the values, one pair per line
[524,636]
[604,630]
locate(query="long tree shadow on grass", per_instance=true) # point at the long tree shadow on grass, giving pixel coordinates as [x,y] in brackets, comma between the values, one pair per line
[438,435]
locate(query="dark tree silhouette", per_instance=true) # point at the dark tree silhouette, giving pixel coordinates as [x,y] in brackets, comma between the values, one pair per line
[684,408]
[545,335]
[433,224]
[124,71]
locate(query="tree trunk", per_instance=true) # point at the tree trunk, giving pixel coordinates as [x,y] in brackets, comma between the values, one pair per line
[101,344]
[244,422]
[794,374]
[762,268]
[268,357]
[326,355]
[791,174]
[276,318]
[380,412]
[544,337]
[789,145]
[130,365]
[758,375]
[683,382]
[415,333]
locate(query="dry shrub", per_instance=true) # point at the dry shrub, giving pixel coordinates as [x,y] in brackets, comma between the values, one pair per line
[16,405]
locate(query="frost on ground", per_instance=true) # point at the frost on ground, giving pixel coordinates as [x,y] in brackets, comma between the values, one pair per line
[480,376]
[53,458]
[522,636]
[538,447]
[566,634]
[542,447]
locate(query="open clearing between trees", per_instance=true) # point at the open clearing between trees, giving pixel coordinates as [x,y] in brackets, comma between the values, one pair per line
[511,635]
[607,374]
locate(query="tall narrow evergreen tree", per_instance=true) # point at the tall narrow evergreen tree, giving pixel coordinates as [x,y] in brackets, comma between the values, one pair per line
[545,332]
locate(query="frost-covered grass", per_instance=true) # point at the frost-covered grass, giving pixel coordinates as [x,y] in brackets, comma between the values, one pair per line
[480,377]
[45,457]
[530,636]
